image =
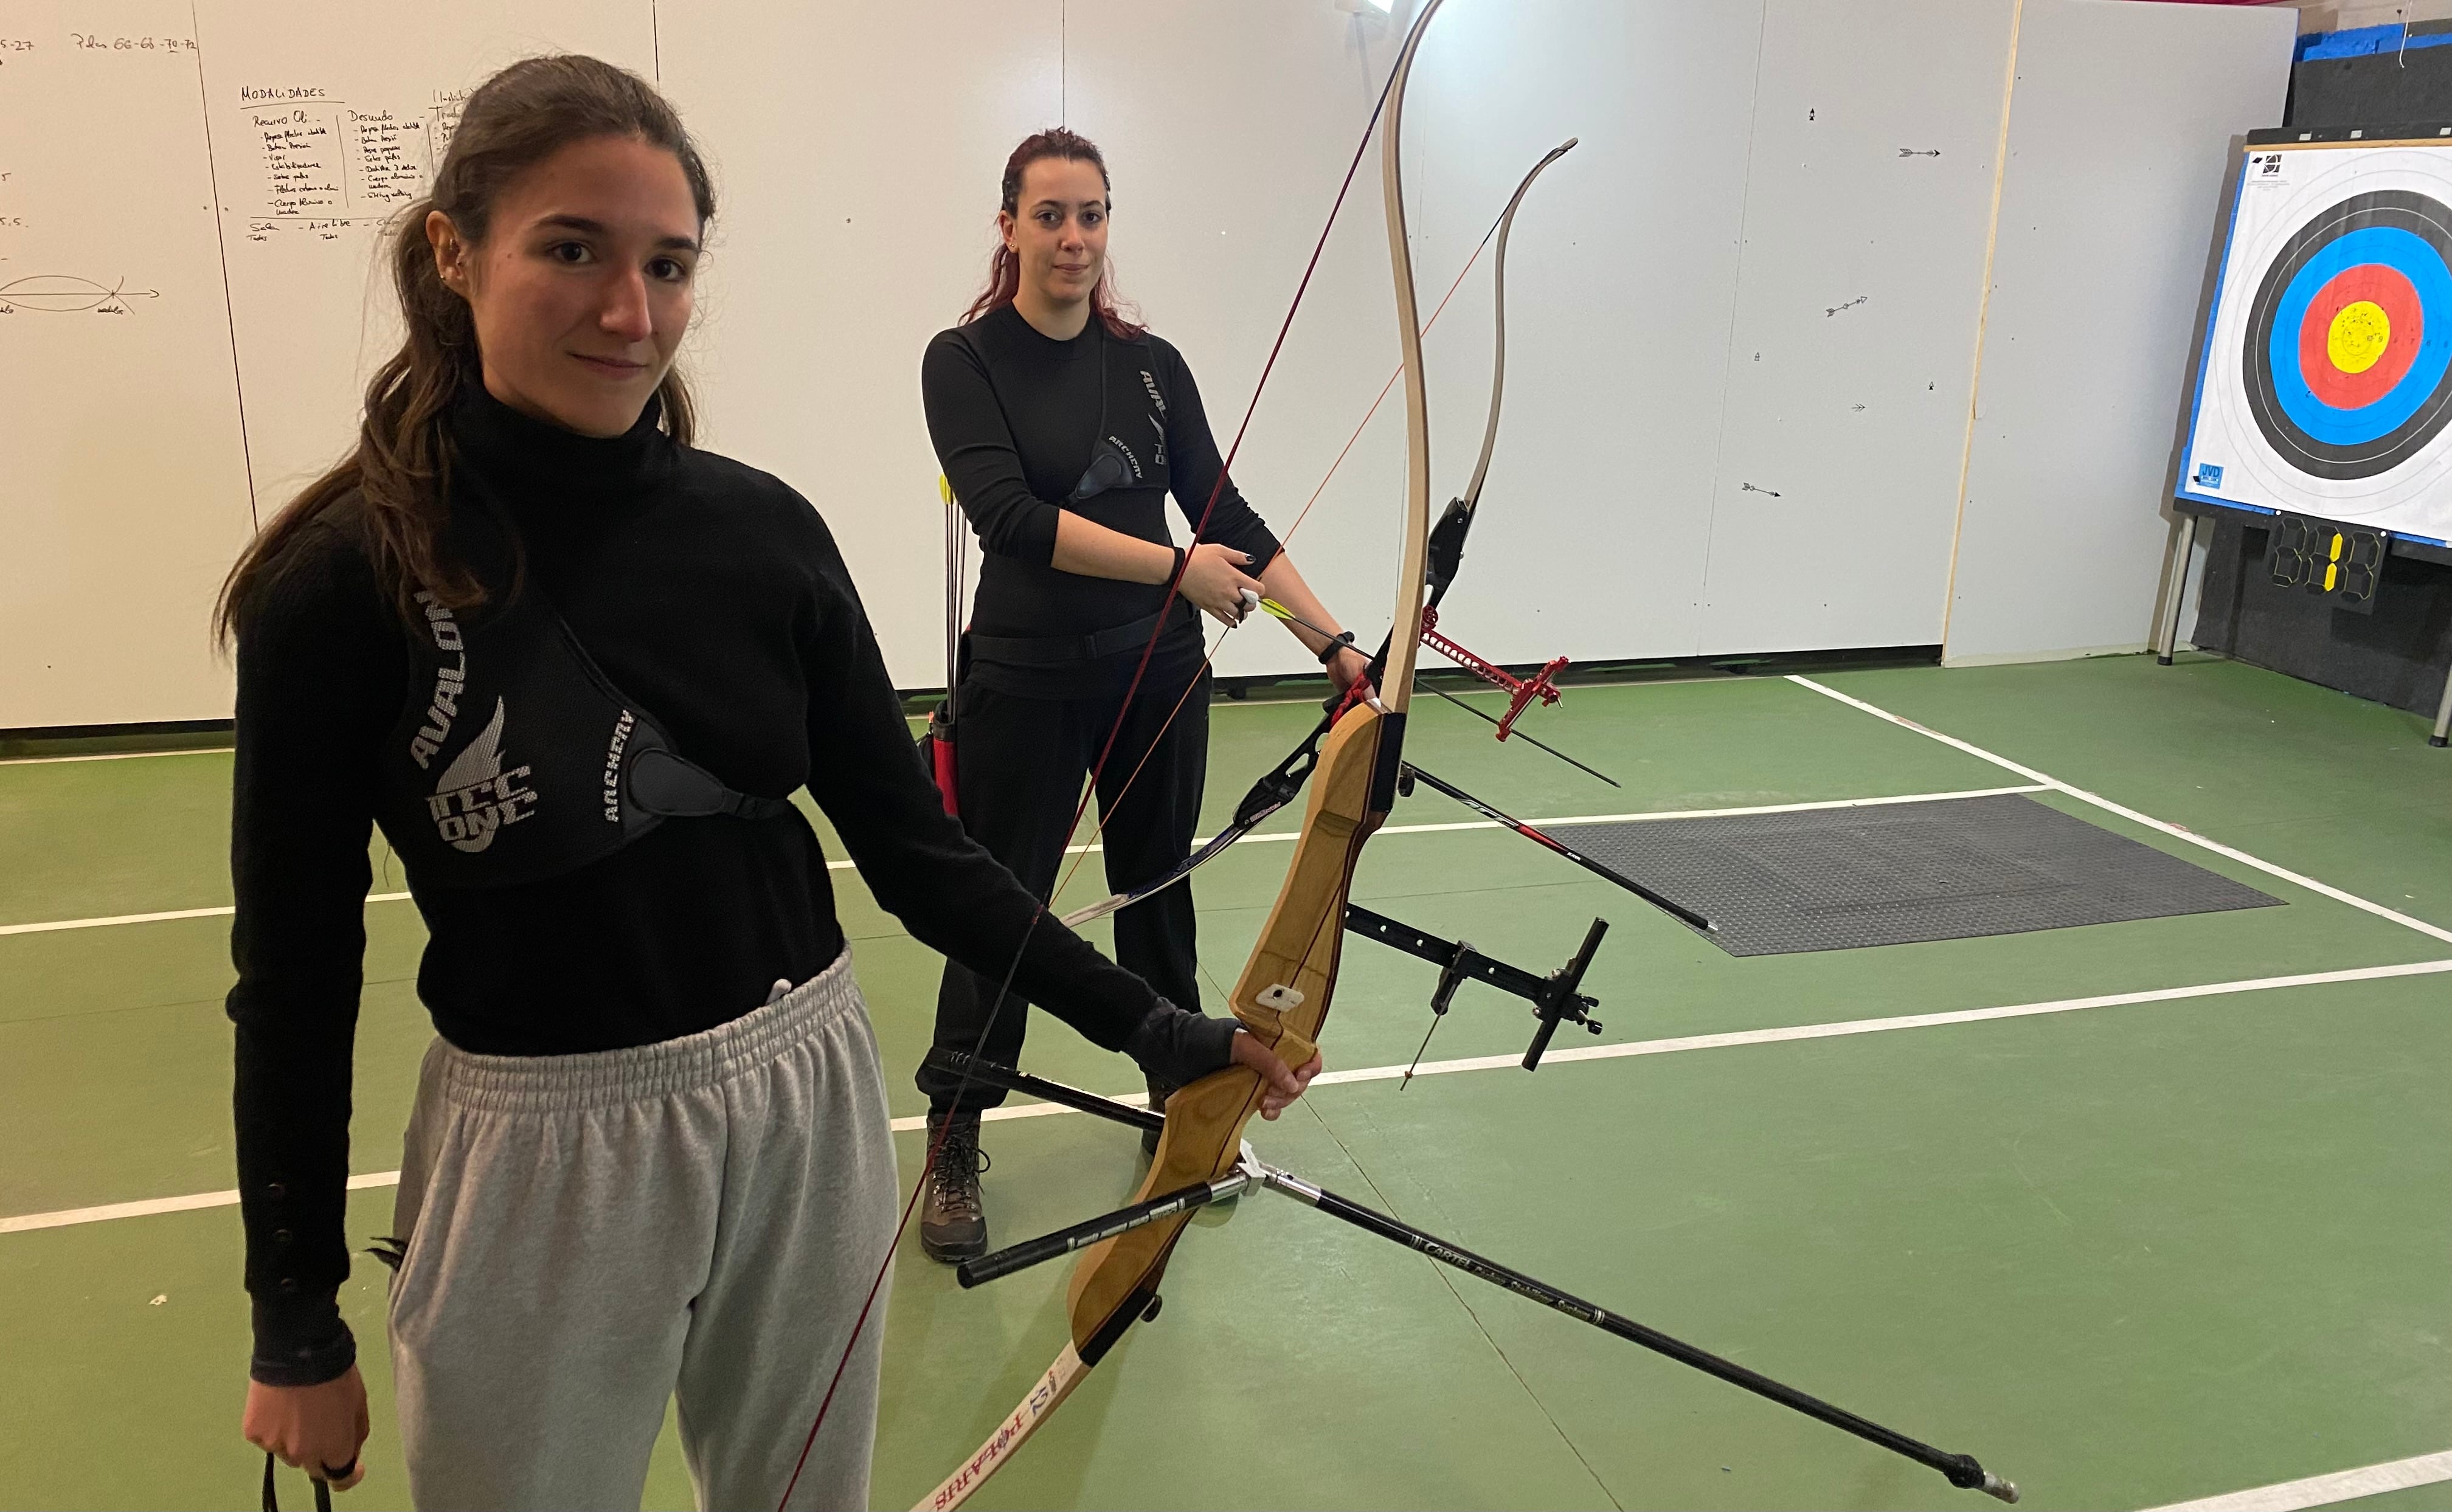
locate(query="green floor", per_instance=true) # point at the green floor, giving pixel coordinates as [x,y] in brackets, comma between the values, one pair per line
[2127,1256]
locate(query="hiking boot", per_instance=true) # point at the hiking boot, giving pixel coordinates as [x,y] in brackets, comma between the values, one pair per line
[953,1223]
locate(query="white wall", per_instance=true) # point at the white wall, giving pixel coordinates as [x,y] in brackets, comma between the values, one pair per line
[1739,190]
[1852,355]
[1622,283]
[856,150]
[2121,132]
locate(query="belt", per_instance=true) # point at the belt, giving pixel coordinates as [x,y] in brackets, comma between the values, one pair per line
[1058,651]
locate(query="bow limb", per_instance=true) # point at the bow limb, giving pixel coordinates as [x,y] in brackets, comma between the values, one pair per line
[1282,996]
[1445,552]
[1046,1394]
[1498,306]
[1396,680]
[1447,541]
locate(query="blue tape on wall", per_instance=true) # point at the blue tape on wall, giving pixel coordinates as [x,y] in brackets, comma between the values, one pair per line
[2359,42]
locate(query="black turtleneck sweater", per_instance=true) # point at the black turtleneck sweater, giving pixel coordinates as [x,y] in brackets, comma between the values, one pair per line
[1013,416]
[713,596]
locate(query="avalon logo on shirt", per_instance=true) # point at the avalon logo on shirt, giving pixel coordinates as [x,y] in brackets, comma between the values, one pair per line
[474,798]
[451,680]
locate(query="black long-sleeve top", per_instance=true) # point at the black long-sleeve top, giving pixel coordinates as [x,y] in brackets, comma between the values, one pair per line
[714,595]
[1015,416]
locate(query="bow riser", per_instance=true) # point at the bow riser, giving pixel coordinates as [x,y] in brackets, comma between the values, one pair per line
[1282,998]
[1283,994]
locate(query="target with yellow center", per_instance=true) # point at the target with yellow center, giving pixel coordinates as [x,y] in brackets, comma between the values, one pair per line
[2349,344]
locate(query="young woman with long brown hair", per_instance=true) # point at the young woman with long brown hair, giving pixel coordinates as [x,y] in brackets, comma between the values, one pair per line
[573,667]
[1062,428]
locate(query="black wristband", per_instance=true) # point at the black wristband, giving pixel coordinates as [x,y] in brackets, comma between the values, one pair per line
[1175,574]
[300,1340]
[1330,652]
[1173,1047]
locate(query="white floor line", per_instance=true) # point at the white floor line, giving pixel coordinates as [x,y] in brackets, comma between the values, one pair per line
[2323,1490]
[224,911]
[151,1206]
[52,925]
[114,755]
[2175,830]
[1478,1063]
[1634,819]
[1877,1025]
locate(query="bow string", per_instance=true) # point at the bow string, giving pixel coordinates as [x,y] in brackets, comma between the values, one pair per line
[1282,996]
[1389,91]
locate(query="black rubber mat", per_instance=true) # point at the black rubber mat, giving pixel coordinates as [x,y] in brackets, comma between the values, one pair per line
[1839,879]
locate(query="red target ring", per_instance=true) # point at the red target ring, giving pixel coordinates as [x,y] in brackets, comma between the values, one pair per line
[2333,332]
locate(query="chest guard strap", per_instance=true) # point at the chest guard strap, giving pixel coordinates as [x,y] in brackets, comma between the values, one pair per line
[516,759]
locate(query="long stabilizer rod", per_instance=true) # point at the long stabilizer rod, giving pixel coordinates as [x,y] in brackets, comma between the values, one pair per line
[1673,909]
[995,1074]
[1082,1235]
[1961,1469]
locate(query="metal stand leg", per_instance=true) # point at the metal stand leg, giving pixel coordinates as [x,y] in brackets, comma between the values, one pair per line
[2443,735]
[2166,636]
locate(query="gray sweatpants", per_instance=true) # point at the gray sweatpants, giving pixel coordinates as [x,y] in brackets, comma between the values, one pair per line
[592,1235]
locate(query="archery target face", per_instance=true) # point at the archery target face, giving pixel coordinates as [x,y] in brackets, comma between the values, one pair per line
[2326,384]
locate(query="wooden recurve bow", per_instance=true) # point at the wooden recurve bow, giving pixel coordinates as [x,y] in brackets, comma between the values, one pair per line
[1282,998]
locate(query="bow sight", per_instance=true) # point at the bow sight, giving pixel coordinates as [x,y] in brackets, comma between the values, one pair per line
[1555,998]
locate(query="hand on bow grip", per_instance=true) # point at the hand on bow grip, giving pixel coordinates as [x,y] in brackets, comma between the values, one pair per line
[1279,1085]
[1345,674]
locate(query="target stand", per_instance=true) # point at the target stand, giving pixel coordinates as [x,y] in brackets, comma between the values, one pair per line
[2323,402]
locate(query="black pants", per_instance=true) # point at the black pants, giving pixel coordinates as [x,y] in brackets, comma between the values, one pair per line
[1021,763]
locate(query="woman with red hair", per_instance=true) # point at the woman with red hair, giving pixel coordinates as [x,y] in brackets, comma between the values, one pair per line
[1062,427]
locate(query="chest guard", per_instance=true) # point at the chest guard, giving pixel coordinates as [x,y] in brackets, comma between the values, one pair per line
[516,759]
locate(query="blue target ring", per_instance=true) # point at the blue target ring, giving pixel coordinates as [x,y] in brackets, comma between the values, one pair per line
[2415,259]
[2411,235]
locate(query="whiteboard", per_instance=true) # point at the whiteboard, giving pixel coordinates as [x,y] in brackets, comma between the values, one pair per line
[326,120]
[125,495]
